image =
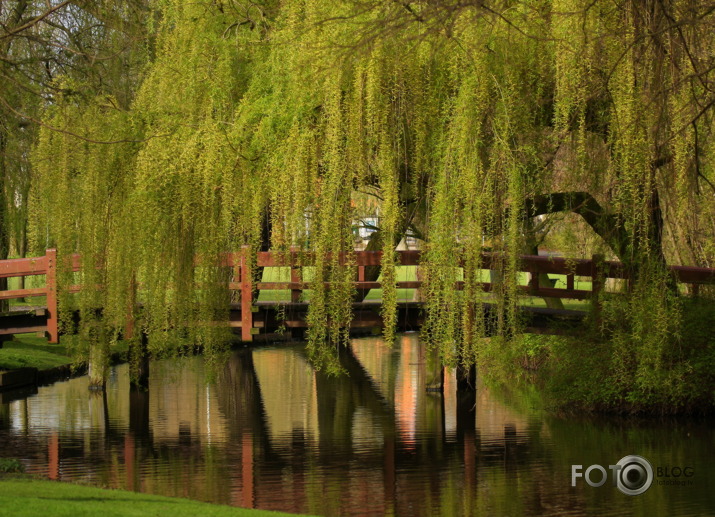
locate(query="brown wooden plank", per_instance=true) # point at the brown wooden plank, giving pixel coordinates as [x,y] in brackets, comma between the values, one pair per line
[76,262]
[6,331]
[554,265]
[273,286]
[694,275]
[23,267]
[359,258]
[530,263]
[22,293]
[555,292]
[409,257]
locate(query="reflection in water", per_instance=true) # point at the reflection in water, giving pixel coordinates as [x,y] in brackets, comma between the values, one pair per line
[272,433]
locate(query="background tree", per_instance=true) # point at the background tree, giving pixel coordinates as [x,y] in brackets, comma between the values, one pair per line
[56,54]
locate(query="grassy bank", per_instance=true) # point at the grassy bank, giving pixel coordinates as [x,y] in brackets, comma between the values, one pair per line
[615,371]
[28,350]
[27,497]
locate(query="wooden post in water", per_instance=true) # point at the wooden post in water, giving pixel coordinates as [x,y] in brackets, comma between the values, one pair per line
[53,335]
[246,297]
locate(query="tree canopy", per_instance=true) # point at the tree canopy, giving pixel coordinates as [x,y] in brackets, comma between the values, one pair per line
[466,120]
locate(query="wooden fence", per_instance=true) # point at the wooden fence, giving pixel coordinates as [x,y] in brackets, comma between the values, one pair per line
[596,269]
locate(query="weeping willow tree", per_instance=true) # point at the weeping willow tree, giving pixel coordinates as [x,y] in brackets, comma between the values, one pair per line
[466,120]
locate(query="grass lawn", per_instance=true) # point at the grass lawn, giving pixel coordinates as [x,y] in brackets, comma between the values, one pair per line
[28,497]
[29,350]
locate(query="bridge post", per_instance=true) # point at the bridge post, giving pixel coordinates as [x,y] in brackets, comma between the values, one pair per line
[596,285]
[246,297]
[51,286]
[295,276]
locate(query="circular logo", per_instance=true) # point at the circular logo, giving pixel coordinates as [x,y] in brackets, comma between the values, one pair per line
[635,475]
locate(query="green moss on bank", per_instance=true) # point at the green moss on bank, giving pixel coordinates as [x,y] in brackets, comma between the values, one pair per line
[27,497]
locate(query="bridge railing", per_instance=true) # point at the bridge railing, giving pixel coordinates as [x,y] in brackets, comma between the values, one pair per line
[34,266]
[597,269]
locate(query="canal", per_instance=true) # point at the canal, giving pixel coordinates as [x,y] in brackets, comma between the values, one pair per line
[267,431]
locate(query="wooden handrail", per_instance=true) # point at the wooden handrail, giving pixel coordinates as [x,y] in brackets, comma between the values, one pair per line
[529,263]
[23,267]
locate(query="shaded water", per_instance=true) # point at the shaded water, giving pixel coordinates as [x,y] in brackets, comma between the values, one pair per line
[272,433]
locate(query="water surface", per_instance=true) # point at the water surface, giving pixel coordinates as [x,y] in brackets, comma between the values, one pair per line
[272,433]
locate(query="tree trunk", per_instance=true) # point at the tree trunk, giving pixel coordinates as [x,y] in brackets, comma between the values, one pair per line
[4,241]
[97,363]
[97,377]
[139,363]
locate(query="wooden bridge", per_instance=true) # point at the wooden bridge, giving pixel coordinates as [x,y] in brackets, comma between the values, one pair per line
[252,315]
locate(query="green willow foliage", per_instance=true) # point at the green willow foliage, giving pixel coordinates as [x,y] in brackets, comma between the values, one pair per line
[276,112]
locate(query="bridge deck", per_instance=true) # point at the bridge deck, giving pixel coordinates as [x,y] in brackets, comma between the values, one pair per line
[269,317]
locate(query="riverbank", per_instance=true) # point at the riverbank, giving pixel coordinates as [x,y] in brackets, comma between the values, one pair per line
[22,497]
[29,361]
[30,351]
[614,369]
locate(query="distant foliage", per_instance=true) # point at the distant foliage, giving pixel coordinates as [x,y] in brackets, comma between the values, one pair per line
[11,466]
